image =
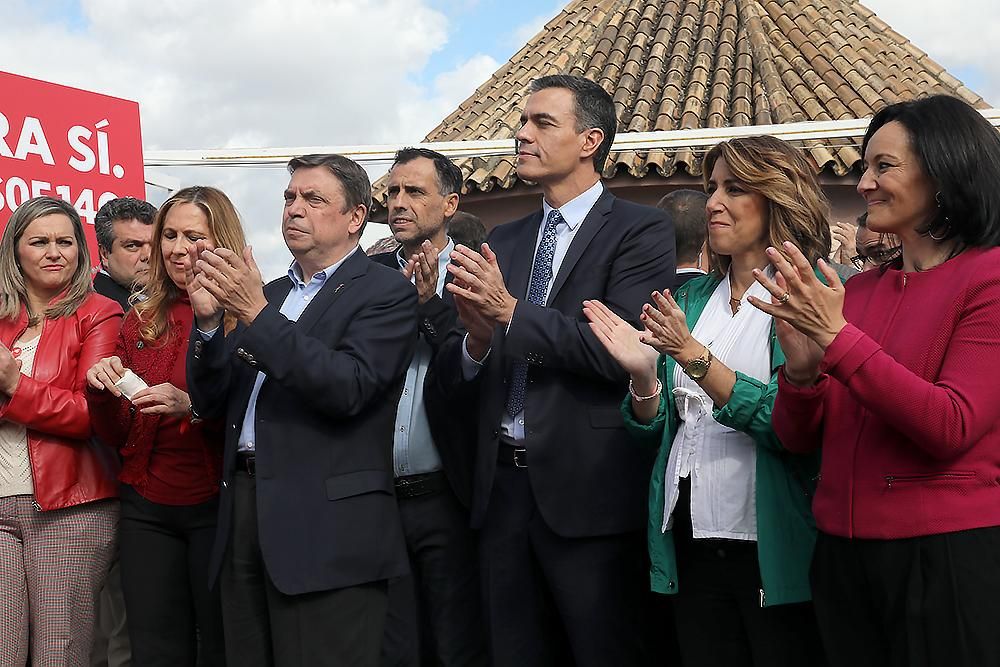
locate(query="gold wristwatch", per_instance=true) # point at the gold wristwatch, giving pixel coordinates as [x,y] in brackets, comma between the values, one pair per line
[698,367]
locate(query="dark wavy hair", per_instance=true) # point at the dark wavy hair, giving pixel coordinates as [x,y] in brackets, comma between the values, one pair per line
[959,151]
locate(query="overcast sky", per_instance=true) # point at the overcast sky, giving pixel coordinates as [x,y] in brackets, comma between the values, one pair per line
[257,73]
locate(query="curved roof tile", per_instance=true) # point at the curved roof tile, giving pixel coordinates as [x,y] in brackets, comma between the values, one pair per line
[704,63]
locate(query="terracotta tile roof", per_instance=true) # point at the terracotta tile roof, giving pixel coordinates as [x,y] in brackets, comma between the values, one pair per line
[676,64]
[382,245]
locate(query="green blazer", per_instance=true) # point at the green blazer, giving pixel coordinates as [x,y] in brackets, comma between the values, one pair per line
[785,482]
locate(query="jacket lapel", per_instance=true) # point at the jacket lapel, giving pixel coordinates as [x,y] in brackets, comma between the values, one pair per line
[447,296]
[517,269]
[277,290]
[589,228]
[353,267]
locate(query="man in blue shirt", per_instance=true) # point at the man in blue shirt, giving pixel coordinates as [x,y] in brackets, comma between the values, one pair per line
[434,615]
[307,383]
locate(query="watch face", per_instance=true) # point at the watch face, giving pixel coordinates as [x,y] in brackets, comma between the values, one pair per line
[697,369]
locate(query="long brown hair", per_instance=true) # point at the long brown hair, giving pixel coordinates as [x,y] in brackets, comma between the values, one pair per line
[160,292]
[13,289]
[797,209]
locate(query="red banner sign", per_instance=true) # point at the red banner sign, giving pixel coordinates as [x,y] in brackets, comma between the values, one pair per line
[54,140]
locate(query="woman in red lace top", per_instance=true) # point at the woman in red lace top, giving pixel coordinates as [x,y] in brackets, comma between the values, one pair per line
[171,460]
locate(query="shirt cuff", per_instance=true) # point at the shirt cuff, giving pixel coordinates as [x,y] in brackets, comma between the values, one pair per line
[509,322]
[207,335]
[470,367]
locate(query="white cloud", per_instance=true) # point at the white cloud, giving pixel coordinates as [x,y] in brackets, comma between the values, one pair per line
[230,73]
[963,34]
[423,110]
[465,78]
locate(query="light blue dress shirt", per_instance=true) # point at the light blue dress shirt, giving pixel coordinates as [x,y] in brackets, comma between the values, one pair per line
[413,449]
[574,212]
[299,296]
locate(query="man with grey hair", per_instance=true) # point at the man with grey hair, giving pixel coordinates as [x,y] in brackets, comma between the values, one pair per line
[307,382]
[124,229]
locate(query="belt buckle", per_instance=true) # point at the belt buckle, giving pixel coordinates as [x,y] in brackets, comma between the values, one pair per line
[518,461]
[250,465]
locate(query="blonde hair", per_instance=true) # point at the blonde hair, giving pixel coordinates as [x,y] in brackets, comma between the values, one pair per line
[14,289]
[153,302]
[797,209]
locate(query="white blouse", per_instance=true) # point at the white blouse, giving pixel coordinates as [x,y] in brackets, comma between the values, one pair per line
[15,465]
[721,462]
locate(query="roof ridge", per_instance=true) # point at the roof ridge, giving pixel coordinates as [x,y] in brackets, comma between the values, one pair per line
[705,63]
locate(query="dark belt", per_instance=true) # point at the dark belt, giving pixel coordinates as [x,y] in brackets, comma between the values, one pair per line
[246,462]
[412,486]
[512,454]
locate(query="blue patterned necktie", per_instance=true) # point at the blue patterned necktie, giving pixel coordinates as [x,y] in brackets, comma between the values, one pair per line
[541,274]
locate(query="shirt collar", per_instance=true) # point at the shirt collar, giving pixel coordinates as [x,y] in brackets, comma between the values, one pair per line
[295,271]
[575,210]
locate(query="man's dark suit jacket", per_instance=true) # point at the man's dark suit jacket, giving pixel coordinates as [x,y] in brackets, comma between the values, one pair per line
[587,477]
[452,429]
[106,286]
[327,514]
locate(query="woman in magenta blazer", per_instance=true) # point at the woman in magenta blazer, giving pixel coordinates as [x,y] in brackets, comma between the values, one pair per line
[896,378]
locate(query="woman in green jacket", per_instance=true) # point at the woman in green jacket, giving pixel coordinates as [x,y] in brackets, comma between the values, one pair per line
[730,529]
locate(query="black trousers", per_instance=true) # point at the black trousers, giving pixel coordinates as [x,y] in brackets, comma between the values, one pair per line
[435,615]
[717,610]
[173,618]
[918,602]
[265,627]
[553,600]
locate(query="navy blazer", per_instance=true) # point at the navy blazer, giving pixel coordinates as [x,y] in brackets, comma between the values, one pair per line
[587,477]
[327,515]
[453,432]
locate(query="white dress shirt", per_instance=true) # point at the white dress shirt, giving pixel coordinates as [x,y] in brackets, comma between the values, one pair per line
[721,462]
[573,212]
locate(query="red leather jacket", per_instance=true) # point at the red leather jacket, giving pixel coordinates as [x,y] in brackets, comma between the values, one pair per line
[66,468]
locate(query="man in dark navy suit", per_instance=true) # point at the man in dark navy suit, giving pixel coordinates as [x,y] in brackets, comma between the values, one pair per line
[307,382]
[434,615]
[560,491]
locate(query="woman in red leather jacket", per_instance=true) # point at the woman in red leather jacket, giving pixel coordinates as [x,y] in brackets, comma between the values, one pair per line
[171,460]
[58,503]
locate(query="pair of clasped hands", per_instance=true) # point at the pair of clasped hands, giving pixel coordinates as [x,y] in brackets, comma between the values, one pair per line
[217,280]
[808,316]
